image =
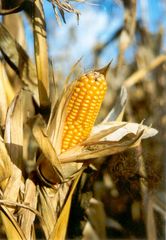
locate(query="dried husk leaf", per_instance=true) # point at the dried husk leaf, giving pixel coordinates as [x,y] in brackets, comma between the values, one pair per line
[124,129]
[98,133]
[60,228]
[128,135]
[74,70]
[53,85]
[55,128]
[49,164]
[105,69]
[18,59]
[116,114]
[41,53]
[58,116]
[101,149]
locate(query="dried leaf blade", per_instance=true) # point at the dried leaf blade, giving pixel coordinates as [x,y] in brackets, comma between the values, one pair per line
[49,164]
[41,53]
[18,59]
[59,231]
[116,114]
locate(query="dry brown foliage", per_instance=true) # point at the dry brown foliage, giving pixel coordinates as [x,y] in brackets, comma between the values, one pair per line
[107,187]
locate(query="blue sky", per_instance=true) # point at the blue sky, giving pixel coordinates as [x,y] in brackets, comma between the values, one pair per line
[98,20]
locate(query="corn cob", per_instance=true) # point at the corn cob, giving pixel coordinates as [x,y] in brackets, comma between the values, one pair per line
[83,108]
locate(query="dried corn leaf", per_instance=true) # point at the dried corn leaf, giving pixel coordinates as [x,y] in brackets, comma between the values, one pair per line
[41,53]
[11,189]
[18,59]
[127,33]
[14,25]
[9,91]
[63,6]
[48,164]
[14,131]
[10,198]
[56,12]
[140,74]
[30,149]
[5,165]
[3,102]
[48,200]
[28,217]
[95,228]
[150,218]
[51,202]
[12,229]
[17,113]
[13,186]
[116,114]
[60,228]
[9,7]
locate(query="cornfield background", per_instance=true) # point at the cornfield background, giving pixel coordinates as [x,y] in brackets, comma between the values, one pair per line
[112,185]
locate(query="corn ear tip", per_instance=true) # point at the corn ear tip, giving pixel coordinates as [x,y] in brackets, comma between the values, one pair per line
[105,69]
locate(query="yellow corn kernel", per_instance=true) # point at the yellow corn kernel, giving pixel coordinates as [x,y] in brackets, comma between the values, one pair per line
[83,108]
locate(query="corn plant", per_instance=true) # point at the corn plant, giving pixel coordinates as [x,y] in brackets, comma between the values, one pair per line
[49,138]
